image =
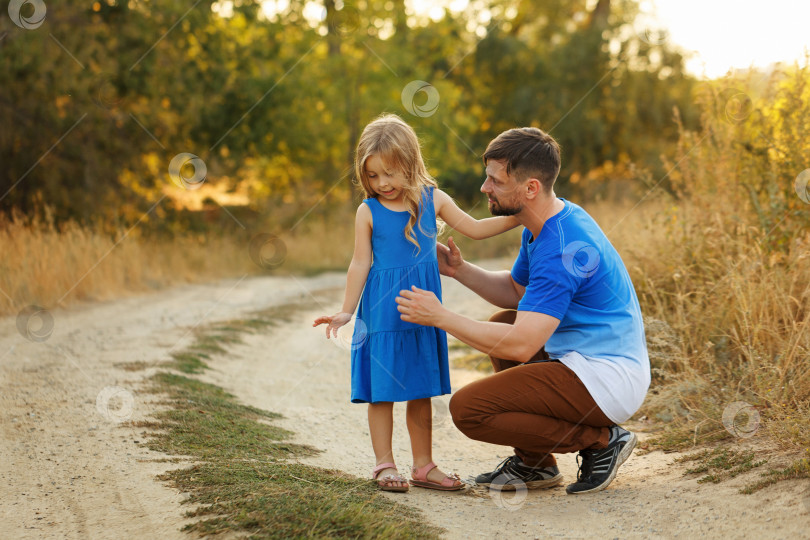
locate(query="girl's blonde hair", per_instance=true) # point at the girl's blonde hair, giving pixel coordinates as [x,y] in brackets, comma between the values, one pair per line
[395,142]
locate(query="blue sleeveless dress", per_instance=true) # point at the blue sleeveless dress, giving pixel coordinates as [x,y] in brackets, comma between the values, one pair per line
[394,360]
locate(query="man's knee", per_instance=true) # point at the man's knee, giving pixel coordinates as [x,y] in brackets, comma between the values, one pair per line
[461,410]
[507,316]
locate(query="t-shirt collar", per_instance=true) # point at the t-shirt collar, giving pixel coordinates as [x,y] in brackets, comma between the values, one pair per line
[552,219]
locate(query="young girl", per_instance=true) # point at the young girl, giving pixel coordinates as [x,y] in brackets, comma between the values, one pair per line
[394,248]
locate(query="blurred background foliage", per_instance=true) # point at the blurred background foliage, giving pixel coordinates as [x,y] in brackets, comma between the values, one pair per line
[273,101]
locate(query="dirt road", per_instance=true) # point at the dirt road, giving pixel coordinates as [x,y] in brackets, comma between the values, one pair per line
[71,468]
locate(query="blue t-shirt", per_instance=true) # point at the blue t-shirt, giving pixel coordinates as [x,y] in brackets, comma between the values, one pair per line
[573,273]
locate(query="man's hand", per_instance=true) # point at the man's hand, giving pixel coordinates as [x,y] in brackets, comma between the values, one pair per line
[334,322]
[419,306]
[449,258]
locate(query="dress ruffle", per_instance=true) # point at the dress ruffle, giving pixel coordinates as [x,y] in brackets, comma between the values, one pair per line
[419,372]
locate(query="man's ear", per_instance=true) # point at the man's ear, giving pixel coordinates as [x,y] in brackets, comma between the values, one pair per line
[533,188]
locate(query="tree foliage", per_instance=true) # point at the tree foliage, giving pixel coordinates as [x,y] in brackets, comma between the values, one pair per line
[98,100]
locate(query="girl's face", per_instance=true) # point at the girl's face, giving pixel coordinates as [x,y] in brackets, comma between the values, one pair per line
[385,182]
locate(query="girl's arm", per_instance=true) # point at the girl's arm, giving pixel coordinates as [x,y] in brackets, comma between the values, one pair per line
[357,274]
[458,219]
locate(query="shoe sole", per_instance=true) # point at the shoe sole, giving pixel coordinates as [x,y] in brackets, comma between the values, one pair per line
[624,454]
[535,484]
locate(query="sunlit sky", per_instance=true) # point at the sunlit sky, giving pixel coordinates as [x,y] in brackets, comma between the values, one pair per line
[735,34]
[719,35]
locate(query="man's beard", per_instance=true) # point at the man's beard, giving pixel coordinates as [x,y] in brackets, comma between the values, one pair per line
[496,209]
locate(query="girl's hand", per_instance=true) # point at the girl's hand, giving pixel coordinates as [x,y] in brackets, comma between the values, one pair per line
[334,322]
[419,306]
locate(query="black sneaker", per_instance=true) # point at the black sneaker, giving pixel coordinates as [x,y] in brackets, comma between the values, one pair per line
[513,472]
[598,467]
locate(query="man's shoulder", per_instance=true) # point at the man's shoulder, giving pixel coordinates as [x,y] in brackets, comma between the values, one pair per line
[573,231]
[574,216]
[578,225]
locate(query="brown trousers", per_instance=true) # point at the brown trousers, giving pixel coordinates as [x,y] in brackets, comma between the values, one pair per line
[537,407]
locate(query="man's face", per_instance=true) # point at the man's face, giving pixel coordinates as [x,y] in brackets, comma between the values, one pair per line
[502,190]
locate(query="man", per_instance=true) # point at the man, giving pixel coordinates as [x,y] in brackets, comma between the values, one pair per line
[569,352]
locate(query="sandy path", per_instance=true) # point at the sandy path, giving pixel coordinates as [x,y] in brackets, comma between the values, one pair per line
[69,469]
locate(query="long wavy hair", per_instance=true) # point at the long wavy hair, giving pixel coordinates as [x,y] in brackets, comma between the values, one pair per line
[395,142]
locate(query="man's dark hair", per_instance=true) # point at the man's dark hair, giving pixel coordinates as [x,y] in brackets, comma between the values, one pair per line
[529,153]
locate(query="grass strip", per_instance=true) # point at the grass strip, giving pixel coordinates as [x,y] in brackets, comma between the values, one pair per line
[243,482]
[721,463]
[798,469]
[212,340]
[682,437]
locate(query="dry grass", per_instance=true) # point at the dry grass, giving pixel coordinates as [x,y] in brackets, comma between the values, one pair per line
[721,270]
[52,266]
[55,266]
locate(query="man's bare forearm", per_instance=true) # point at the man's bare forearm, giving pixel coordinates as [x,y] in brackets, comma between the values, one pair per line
[495,287]
[496,339]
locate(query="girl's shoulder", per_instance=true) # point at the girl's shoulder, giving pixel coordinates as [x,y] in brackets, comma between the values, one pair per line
[364,211]
[440,198]
[438,194]
[367,206]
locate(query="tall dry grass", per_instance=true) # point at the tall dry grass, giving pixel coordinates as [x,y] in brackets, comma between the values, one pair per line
[721,263]
[54,266]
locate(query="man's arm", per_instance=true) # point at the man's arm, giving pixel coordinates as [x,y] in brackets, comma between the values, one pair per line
[497,288]
[519,341]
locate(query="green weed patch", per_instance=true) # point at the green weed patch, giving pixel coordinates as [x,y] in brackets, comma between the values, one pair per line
[244,480]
